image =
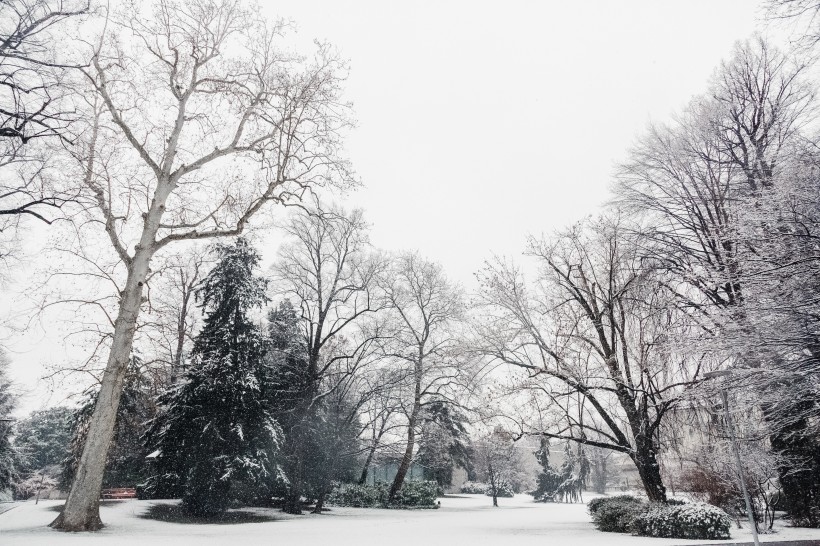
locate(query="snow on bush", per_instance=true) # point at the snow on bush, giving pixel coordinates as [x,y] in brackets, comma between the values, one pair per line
[355,495]
[595,504]
[627,514]
[616,514]
[696,521]
[417,494]
[411,495]
[474,488]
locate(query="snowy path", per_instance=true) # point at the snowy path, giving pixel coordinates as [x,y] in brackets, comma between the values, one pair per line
[468,520]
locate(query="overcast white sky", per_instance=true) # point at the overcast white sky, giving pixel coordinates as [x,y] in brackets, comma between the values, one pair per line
[481,122]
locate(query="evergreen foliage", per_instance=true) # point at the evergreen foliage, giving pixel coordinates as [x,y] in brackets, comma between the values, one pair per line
[334,459]
[617,514]
[566,484]
[321,436]
[217,440]
[548,480]
[8,455]
[287,378]
[474,488]
[444,443]
[799,447]
[43,438]
[288,384]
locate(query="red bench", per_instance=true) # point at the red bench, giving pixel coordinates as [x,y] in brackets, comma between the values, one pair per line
[119,493]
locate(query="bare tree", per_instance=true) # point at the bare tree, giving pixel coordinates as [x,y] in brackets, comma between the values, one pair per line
[592,333]
[171,320]
[9,458]
[686,181]
[805,14]
[499,459]
[378,417]
[723,197]
[33,107]
[427,309]
[328,270]
[194,124]
[31,69]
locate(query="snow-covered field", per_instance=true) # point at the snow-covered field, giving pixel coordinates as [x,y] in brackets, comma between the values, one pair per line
[467,519]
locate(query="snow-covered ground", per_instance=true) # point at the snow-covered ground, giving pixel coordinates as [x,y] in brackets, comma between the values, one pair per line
[466,519]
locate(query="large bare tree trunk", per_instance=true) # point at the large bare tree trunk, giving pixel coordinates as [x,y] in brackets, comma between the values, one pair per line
[82,508]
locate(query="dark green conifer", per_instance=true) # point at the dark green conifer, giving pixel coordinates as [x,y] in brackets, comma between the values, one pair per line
[217,439]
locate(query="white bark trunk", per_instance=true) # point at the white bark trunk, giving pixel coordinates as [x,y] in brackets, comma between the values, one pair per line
[82,508]
[82,512]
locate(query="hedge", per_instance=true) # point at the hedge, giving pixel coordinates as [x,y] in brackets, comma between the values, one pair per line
[699,521]
[627,514]
[616,514]
[411,495]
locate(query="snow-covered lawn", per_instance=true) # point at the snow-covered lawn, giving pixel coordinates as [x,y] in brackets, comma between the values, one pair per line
[464,520]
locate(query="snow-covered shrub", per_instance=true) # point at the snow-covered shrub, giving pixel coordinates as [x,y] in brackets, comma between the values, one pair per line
[417,494]
[357,496]
[617,514]
[412,494]
[501,490]
[699,521]
[595,504]
[474,488]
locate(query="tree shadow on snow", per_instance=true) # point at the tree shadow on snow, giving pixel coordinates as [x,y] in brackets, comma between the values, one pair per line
[173,513]
[108,502]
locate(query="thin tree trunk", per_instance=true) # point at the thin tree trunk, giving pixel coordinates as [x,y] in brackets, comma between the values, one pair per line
[320,502]
[182,326]
[293,498]
[370,454]
[324,489]
[398,481]
[300,432]
[493,486]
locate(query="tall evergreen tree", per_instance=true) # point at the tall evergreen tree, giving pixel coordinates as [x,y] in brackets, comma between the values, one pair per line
[565,484]
[321,436]
[549,480]
[444,443]
[288,383]
[215,435]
